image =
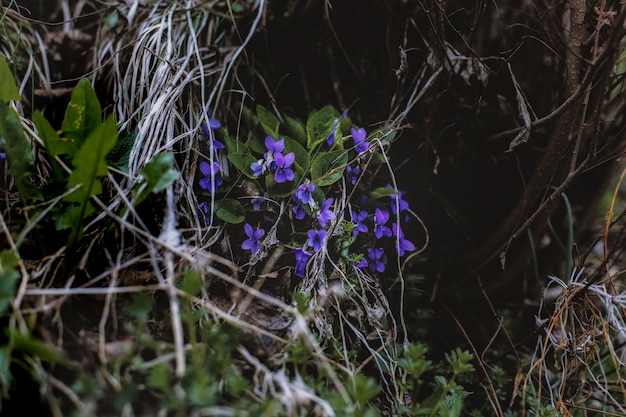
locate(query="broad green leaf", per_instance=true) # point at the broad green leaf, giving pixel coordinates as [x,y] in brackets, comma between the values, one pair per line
[319,126]
[268,121]
[83,114]
[51,139]
[328,167]
[295,128]
[8,87]
[229,210]
[9,277]
[242,162]
[19,153]
[234,146]
[302,156]
[157,175]
[381,192]
[90,164]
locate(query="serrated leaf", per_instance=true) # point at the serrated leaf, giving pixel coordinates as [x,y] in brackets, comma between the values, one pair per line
[83,114]
[242,162]
[120,153]
[51,139]
[89,165]
[328,167]
[157,175]
[268,121]
[8,87]
[319,126]
[19,153]
[229,210]
[295,129]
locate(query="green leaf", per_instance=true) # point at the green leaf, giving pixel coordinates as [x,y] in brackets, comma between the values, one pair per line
[302,156]
[157,175]
[380,192]
[269,122]
[90,164]
[192,283]
[120,153]
[8,87]
[328,167]
[36,348]
[9,277]
[83,114]
[51,139]
[295,129]
[319,125]
[234,146]
[229,210]
[19,153]
[242,162]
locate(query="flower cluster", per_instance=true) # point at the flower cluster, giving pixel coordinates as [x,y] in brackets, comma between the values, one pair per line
[211,171]
[274,160]
[370,224]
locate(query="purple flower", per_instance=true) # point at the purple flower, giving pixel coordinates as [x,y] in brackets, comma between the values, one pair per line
[258,168]
[331,138]
[380,219]
[304,193]
[302,258]
[325,214]
[353,173]
[374,259]
[316,238]
[358,219]
[217,145]
[298,211]
[211,179]
[274,146]
[256,203]
[402,245]
[397,202]
[213,124]
[252,243]
[358,135]
[3,155]
[203,208]
[283,172]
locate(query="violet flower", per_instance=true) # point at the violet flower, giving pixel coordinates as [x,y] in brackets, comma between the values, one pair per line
[358,218]
[258,168]
[316,238]
[212,180]
[282,164]
[374,259]
[302,258]
[397,202]
[213,124]
[402,245]
[298,211]
[256,203]
[380,219]
[353,173]
[252,243]
[358,135]
[325,214]
[304,193]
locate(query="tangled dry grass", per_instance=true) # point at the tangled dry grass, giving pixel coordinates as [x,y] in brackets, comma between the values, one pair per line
[163,64]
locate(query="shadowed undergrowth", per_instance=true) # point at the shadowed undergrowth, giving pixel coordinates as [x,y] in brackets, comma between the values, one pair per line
[246,208]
